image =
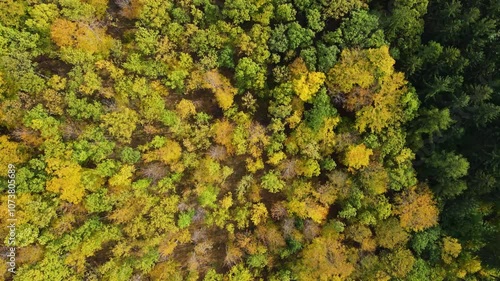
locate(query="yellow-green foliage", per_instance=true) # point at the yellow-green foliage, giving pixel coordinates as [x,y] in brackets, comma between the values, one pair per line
[245,140]
[358,156]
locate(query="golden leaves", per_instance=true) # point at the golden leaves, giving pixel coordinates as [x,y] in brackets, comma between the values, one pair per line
[417,209]
[80,35]
[358,156]
[305,84]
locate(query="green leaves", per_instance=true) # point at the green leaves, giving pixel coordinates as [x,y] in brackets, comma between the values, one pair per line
[249,75]
[271,182]
[361,30]
[208,196]
[185,218]
[250,139]
[121,124]
[447,169]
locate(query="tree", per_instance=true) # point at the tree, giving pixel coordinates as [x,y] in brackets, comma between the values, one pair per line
[208,197]
[431,121]
[299,36]
[278,42]
[67,180]
[324,259]
[406,18]
[185,108]
[130,155]
[249,75]
[371,87]
[222,88]
[321,110]
[451,249]
[446,169]
[305,84]
[357,156]
[240,11]
[360,30]
[11,153]
[170,153]
[399,263]
[259,213]
[240,272]
[362,235]
[314,20]
[389,234]
[375,179]
[271,182]
[80,35]
[416,208]
[337,9]
[167,270]
[223,129]
[121,124]
[285,12]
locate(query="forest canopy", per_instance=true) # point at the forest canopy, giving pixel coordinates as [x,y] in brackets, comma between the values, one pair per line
[250,140]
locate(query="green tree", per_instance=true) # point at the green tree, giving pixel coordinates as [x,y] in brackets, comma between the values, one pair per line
[271,182]
[447,169]
[121,124]
[360,30]
[249,75]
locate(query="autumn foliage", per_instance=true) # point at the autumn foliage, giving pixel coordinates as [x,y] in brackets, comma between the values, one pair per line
[237,140]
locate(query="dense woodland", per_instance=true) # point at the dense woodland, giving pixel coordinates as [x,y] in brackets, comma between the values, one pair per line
[247,140]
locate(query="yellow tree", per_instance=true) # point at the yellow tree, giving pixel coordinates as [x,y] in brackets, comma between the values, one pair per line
[451,249]
[305,84]
[121,124]
[62,32]
[416,208]
[259,213]
[123,178]
[66,180]
[170,154]
[371,87]
[185,108]
[324,259]
[221,87]
[357,156]
[386,108]
[222,132]
[9,154]
[91,39]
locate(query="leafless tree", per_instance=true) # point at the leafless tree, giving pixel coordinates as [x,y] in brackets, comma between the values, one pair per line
[278,211]
[203,247]
[137,277]
[199,215]
[199,235]
[311,230]
[233,255]
[192,262]
[122,3]
[70,130]
[183,206]
[217,152]
[155,171]
[288,226]
[289,168]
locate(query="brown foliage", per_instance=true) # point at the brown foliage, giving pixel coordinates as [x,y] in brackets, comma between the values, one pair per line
[278,211]
[233,255]
[154,170]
